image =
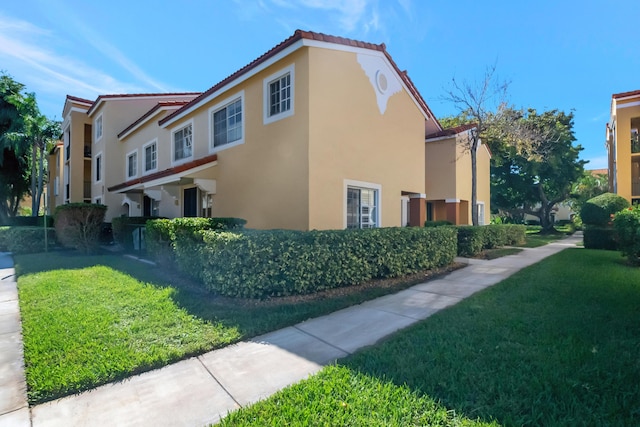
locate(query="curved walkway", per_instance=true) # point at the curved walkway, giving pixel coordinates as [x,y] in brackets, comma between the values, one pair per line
[201,390]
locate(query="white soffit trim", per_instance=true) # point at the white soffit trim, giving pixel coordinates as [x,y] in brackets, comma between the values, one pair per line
[452,200]
[167,179]
[628,104]
[418,196]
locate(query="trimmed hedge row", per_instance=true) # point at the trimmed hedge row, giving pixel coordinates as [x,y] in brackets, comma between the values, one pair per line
[160,234]
[261,264]
[28,221]
[123,227]
[627,226]
[473,240]
[25,240]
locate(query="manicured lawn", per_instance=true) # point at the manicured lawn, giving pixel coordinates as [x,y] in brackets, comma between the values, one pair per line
[88,320]
[555,344]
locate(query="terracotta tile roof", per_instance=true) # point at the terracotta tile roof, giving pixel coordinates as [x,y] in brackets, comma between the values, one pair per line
[625,94]
[308,35]
[451,131]
[80,100]
[136,95]
[158,106]
[167,172]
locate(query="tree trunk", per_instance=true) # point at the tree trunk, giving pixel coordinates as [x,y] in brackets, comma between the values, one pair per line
[34,209]
[474,181]
[41,146]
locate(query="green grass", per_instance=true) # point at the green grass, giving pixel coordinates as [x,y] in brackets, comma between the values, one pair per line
[555,344]
[89,320]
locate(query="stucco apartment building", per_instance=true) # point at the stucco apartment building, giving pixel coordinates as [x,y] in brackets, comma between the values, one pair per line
[320,132]
[623,145]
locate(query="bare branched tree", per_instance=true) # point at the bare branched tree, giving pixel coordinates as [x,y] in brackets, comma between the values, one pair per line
[481,102]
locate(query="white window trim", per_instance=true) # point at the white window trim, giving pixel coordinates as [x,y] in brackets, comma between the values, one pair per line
[95,125]
[173,142]
[95,200]
[219,106]
[266,98]
[361,184]
[95,167]
[144,157]
[129,154]
[481,221]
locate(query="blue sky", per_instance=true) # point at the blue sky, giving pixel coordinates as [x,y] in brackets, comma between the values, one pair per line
[557,54]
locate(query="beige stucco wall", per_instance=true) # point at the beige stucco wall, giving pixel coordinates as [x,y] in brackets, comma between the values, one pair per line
[350,139]
[117,115]
[440,164]
[448,175]
[263,180]
[76,163]
[623,116]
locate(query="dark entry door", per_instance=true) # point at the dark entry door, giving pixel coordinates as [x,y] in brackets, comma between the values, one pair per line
[190,200]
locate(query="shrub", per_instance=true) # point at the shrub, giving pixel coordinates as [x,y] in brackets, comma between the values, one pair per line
[472,240]
[78,225]
[599,237]
[25,240]
[439,223]
[123,229]
[28,221]
[598,210]
[627,226]
[515,234]
[266,263]
[161,233]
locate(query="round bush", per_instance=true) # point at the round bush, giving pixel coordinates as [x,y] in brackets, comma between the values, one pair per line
[598,210]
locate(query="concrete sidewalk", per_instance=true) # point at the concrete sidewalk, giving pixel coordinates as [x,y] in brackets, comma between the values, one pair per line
[201,390]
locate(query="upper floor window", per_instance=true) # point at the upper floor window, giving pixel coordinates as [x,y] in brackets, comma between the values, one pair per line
[150,156]
[98,167]
[98,127]
[183,143]
[279,95]
[132,164]
[227,123]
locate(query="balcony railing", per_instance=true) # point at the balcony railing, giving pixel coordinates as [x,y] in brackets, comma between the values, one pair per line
[87,190]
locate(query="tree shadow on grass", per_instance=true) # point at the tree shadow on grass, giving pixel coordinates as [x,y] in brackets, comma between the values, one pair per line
[555,344]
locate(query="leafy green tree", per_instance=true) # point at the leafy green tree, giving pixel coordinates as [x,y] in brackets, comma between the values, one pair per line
[536,164]
[26,139]
[588,186]
[14,152]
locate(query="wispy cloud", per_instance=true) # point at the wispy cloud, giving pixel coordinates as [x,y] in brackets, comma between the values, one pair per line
[37,57]
[349,16]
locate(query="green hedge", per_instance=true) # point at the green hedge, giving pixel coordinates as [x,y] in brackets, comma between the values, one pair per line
[28,221]
[473,240]
[599,237]
[627,226]
[261,264]
[438,223]
[161,233]
[598,210]
[124,226]
[25,240]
